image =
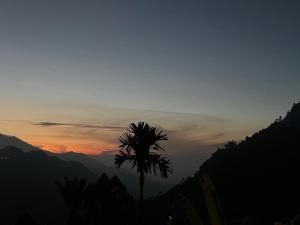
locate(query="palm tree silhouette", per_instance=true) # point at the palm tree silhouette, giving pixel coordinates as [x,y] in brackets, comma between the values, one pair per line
[140,147]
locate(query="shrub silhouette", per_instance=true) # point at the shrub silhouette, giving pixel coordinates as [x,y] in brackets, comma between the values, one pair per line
[97,203]
[25,219]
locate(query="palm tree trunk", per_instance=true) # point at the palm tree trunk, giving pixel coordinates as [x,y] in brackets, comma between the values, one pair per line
[142,182]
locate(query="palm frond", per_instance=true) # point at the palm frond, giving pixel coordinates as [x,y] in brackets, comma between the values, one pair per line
[164,167]
[122,157]
[127,141]
[157,162]
[136,145]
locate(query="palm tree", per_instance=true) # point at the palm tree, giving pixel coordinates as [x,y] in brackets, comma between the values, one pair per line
[140,147]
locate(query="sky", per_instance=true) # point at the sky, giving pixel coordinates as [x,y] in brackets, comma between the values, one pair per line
[75,73]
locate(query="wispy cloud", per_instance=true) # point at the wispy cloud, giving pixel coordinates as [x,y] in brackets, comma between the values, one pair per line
[100,128]
[53,124]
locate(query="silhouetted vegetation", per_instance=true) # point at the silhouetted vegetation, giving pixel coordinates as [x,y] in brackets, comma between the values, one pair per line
[97,203]
[127,177]
[25,219]
[140,147]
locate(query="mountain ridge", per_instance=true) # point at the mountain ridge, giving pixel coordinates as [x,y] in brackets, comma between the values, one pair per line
[257,179]
[127,177]
[7,140]
[28,184]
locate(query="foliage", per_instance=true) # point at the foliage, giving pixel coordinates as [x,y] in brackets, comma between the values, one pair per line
[97,203]
[140,146]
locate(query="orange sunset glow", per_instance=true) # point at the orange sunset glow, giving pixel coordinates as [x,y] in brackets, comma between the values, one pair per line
[100,132]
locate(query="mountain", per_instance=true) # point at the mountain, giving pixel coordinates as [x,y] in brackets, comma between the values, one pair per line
[256,180]
[6,140]
[95,165]
[183,164]
[106,157]
[129,179]
[293,117]
[28,184]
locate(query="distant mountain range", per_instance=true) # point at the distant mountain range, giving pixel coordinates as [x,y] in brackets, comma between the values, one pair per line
[257,181]
[94,164]
[183,163]
[28,175]
[128,178]
[28,184]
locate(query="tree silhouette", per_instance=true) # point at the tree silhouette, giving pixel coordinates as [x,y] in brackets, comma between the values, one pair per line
[25,219]
[72,192]
[98,202]
[140,147]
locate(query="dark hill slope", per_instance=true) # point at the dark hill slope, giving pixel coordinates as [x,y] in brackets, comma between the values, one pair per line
[261,175]
[28,184]
[90,162]
[258,178]
[6,141]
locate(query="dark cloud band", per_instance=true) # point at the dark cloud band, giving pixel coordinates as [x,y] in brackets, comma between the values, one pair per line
[52,124]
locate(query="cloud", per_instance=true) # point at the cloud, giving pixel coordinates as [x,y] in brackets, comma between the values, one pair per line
[100,127]
[187,115]
[53,124]
[192,136]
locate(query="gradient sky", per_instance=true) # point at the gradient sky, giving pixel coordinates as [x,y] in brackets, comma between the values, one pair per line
[74,73]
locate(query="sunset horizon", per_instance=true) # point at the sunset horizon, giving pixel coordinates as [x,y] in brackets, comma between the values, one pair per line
[149,112]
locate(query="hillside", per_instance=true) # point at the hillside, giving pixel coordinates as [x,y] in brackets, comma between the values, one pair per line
[257,180]
[260,177]
[28,184]
[6,140]
[94,164]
